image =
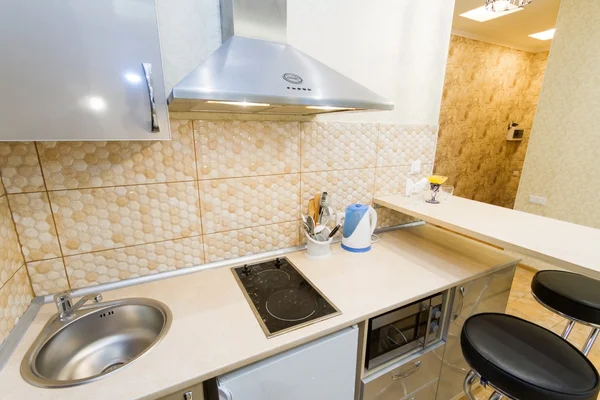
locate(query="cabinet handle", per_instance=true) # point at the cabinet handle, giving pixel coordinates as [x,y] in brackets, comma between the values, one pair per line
[153,114]
[188,396]
[426,338]
[225,394]
[462,303]
[407,373]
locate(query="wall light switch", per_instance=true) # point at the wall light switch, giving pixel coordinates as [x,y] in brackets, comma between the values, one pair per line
[415,166]
[537,200]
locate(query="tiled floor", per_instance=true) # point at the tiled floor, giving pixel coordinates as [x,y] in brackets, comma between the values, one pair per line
[522,304]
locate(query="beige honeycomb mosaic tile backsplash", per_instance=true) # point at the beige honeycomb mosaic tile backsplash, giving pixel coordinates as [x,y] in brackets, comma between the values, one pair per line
[15,288]
[87,213]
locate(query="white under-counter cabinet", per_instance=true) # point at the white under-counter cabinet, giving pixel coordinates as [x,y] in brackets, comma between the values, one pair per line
[81,70]
[322,369]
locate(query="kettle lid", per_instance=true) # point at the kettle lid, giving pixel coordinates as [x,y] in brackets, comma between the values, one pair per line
[357,207]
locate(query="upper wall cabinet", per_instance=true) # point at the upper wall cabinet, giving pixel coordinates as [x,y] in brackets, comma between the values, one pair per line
[81,70]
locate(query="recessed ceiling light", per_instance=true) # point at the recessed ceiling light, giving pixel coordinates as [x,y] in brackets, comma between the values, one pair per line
[481,14]
[505,5]
[546,35]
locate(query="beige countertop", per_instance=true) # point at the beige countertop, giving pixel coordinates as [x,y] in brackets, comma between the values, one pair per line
[566,245]
[215,331]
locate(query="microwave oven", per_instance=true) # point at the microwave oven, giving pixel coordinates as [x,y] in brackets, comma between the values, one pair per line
[403,330]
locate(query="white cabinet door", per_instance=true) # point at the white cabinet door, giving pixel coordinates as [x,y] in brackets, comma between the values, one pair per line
[72,70]
[321,370]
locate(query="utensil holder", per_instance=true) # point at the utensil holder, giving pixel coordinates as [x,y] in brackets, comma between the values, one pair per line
[316,249]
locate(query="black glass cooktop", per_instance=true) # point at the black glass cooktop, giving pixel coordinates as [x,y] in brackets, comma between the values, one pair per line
[281,297]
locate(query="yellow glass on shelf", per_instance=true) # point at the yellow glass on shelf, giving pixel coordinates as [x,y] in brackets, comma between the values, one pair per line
[435,181]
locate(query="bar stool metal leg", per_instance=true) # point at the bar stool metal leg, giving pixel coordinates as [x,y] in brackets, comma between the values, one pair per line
[469,380]
[568,329]
[590,341]
[468,385]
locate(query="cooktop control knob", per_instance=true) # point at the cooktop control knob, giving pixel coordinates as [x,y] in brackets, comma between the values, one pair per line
[436,313]
[277,263]
[245,270]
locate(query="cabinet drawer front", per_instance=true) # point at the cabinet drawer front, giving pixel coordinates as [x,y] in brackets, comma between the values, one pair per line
[397,381]
[486,294]
[427,392]
[455,367]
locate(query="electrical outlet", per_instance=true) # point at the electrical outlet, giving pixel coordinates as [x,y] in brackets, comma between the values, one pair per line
[415,167]
[537,200]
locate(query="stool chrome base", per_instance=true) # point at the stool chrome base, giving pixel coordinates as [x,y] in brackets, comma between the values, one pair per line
[569,327]
[590,341]
[470,380]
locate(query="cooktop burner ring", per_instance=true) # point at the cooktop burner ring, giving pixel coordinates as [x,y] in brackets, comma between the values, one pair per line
[270,271]
[305,305]
[272,278]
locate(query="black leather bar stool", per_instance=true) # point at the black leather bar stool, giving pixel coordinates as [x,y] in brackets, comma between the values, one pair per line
[521,360]
[573,296]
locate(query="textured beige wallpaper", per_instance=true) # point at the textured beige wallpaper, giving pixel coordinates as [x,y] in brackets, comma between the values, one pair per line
[96,212]
[562,162]
[487,86]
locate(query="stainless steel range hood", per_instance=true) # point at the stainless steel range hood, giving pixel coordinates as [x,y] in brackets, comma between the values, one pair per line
[255,71]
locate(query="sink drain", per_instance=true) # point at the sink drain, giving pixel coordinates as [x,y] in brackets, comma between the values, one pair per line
[112,367]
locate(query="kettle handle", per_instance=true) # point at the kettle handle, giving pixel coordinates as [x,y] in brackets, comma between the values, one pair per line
[373,216]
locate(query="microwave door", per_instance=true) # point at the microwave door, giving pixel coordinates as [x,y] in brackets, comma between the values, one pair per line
[401,331]
[397,333]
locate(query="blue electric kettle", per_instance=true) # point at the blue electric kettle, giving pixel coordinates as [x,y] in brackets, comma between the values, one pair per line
[359,225]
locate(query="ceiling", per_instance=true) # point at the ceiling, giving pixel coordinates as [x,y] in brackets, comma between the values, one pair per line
[511,30]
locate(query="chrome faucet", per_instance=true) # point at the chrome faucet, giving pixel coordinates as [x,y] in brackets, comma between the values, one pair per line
[64,304]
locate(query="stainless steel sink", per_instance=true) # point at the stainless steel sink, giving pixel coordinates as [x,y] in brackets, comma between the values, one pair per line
[97,341]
